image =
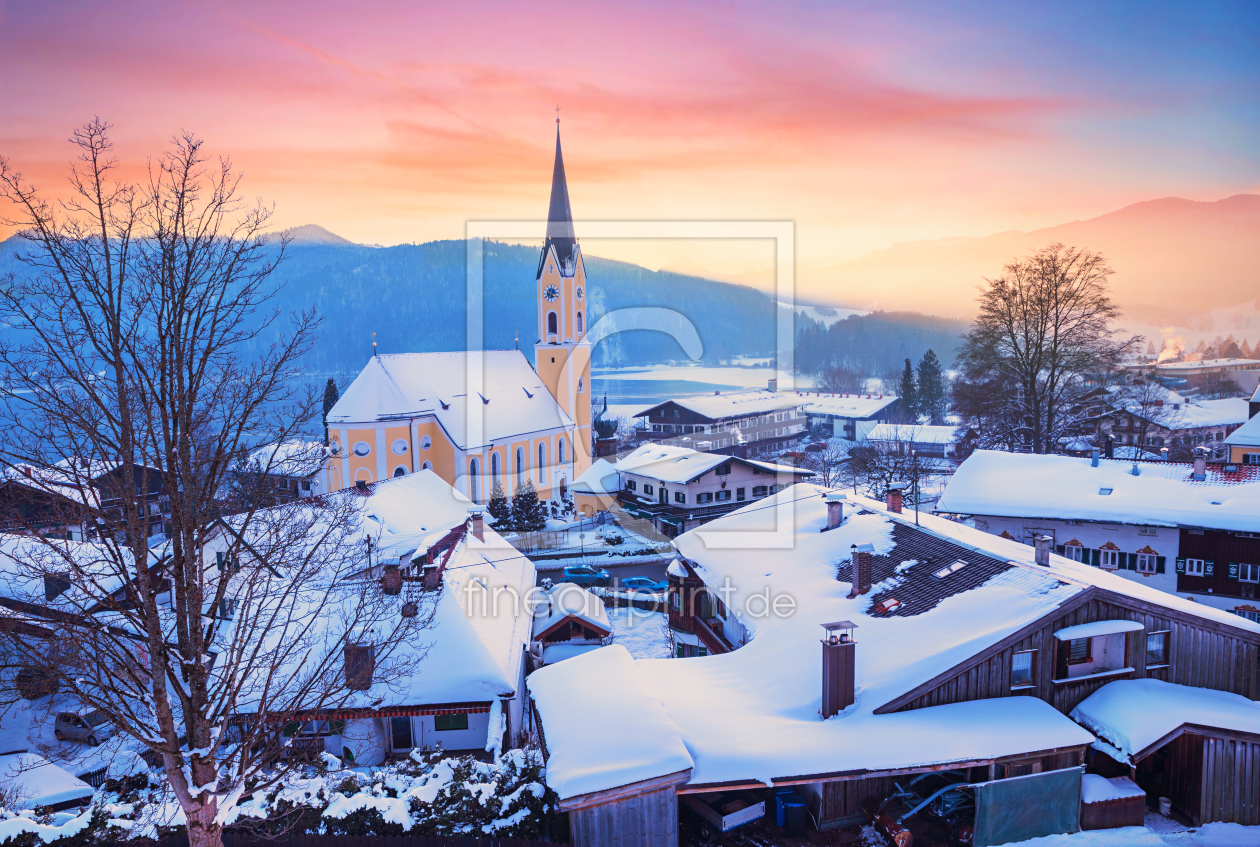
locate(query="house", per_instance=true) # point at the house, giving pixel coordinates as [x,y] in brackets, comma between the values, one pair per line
[1191,529]
[596,489]
[738,423]
[849,416]
[570,622]
[1209,373]
[30,503]
[80,498]
[1244,443]
[287,471]
[1176,423]
[459,681]
[477,418]
[943,649]
[951,443]
[678,488]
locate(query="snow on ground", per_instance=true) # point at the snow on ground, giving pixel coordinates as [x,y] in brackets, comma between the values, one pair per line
[640,632]
[1211,835]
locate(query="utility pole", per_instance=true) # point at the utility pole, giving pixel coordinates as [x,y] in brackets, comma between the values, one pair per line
[914,456]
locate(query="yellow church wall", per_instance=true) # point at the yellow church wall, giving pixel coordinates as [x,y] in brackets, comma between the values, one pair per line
[361,467]
[394,460]
[441,452]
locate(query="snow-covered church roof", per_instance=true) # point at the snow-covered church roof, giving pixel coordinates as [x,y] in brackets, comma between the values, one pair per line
[1068,488]
[510,401]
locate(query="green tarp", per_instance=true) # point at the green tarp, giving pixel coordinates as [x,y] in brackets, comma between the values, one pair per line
[1026,807]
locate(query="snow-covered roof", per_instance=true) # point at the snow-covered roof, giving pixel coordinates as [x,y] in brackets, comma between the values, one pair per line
[604,726]
[569,600]
[735,404]
[558,652]
[1202,413]
[847,405]
[25,561]
[1133,714]
[1247,435]
[35,781]
[682,464]
[600,478]
[293,457]
[753,714]
[1099,789]
[512,400]
[1068,488]
[1206,363]
[912,433]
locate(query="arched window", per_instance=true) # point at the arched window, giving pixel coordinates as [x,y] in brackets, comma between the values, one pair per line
[542,459]
[473,493]
[560,451]
[581,385]
[400,471]
[552,323]
[520,466]
[427,466]
[579,323]
[494,467]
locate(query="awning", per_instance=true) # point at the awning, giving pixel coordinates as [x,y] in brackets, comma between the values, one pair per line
[1093,629]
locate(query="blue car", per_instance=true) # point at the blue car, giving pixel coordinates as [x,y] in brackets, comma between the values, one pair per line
[643,583]
[586,575]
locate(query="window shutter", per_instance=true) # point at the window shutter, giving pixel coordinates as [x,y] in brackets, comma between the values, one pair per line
[1181,565]
[1095,557]
[218,559]
[1159,563]
[1233,570]
[1209,567]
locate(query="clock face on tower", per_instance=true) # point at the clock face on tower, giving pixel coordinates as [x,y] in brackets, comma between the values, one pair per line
[551,293]
[579,293]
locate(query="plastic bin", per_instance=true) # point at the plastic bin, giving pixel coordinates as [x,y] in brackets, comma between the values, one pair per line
[796,817]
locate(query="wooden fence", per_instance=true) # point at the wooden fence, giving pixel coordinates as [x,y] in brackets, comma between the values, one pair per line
[252,839]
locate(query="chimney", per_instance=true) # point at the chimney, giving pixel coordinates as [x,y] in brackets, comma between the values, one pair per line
[26,469]
[1042,543]
[1093,459]
[894,496]
[477,516]
[772,385]
[1135,470]
[860,568]
[835,509]
[1200,464]
[1163,454]
[391,582]
[360,485]
[1110,445]
[838,653]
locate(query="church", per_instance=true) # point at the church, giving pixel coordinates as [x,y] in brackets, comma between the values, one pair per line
[510,423]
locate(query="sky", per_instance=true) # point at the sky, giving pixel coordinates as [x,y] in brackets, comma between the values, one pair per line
[864,123]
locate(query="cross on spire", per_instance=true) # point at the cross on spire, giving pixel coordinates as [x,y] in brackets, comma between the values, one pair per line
[557,116]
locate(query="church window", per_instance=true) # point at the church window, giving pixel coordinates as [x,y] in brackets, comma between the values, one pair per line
[560,451]
[579,323]
[581,386]
[427,466]
[552,323]
[494,467]
[473,493]
[542,459]
[425,442]
[362,448]
[400,471]
[520,466]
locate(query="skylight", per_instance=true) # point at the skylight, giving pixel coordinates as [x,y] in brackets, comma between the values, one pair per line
[1105,491]
[949,569]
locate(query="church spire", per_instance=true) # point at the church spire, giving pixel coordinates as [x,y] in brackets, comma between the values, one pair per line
[560,232]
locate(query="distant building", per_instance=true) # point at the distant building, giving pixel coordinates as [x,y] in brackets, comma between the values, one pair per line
[849,416]
[1244,443]
[945,443]
[1201,375]
[762,422]
[1176,422]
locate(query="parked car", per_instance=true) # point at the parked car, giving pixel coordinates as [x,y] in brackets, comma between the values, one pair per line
[93,727]
[643,583]
[586,575]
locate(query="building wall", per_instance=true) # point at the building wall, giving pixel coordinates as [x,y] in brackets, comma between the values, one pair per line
[1202,655]
[1226,550]
[741,476]
[1230,789]
[1239,453]
[1127,538]
[644,820]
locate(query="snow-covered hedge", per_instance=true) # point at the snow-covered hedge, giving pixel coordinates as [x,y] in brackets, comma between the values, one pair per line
[426,794]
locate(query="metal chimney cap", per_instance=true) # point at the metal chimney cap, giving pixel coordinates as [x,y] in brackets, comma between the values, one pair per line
[898,486]
[831,627]
[835,497]
[865,548]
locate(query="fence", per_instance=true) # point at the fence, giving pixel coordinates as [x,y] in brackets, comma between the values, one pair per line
[253,839]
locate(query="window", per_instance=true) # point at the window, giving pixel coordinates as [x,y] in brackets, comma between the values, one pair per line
[1109,559]
[400,471]
[1157,651]
[1194,567]
[675,602]
[724,494]
[680,497]
[399,446]
[542,459]
[360,662]
[426,466]
[739,494]
[631,485]
[400,730]
[759,491]
[1248,572]
[446,723]
[705,497]
[1075,552]
[1146,530]
[520,466]
[647,488]
[560,451]
[1078,651]
[494,467]
[1146,563]
[362,448]
[473,493]
[425,442]
[1024,669]
[552,323]
[580,330]
[949,569]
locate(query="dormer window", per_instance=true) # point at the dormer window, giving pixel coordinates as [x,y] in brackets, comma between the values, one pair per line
[360,661]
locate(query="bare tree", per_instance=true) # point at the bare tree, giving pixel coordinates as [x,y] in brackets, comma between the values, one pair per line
[1044,327]
[826,461]
[129,332]
[874,466]
[839,380]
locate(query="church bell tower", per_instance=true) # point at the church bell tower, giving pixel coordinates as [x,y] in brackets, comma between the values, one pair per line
[562,356]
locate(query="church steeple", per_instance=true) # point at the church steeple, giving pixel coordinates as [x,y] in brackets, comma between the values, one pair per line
[560,232]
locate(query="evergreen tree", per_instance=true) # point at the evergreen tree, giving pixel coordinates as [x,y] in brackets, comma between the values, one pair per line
[500,511]
[931,386]
[527,512]
[330,399]
[909,395]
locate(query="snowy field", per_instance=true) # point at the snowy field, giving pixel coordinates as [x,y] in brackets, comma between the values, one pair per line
[1154,834]
[640,632]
